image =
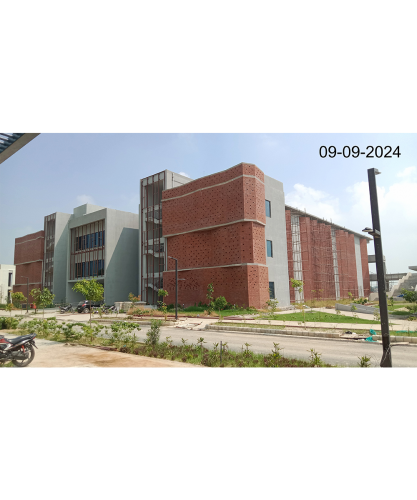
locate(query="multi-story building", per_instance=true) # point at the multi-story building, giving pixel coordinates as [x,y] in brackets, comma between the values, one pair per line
[233,229]
[28,259]
[7,280]
[91,242]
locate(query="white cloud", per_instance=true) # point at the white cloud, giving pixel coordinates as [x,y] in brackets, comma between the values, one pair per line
[315,202]
[85,198]
[409,172]
[184,174]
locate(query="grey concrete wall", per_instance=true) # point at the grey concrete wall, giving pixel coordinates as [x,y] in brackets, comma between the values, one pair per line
[172,179]
[275,230]
[61,253]
[359,266]
[88,208]
[121,253]
[121,258]
[87,218]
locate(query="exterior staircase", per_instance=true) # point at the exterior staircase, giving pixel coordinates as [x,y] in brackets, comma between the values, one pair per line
[409,282]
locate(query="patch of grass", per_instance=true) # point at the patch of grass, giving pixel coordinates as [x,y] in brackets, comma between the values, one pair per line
[6,365]
[319,317]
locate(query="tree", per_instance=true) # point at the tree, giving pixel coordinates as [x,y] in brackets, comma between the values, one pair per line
[18,298]
[162,306]
[298,286]
[210,291]
[90,289]
[35,294]
[42,298]
[134,299]
[9,307]
[219,304]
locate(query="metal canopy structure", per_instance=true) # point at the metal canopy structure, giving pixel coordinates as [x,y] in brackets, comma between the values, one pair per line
[11,143]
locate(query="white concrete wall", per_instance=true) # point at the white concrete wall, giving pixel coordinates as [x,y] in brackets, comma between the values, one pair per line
[5,269]
[275,231]
[359,266]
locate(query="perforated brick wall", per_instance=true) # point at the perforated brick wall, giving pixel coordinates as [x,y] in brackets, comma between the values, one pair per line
[29,248]
[238,243]
[241,198]
[229,241]
[241,285]
[28,259]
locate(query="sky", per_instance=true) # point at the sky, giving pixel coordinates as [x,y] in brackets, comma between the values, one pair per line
[58,172]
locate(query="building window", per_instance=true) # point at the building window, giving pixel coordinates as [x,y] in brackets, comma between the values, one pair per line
[267,208]
[10,279]
[269,248]
[271,290]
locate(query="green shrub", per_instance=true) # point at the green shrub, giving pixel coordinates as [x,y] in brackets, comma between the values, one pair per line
[153,334]
[409,295]
[9,323]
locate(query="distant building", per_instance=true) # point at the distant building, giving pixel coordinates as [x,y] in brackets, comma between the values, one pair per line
[7,280]
[91,242]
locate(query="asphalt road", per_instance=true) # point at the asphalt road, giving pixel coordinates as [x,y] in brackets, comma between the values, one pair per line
[335,352]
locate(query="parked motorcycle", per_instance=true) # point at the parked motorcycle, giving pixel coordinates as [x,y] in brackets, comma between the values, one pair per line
[20,350]
[66,309]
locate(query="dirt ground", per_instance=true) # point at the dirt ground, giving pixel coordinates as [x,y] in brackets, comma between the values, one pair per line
[56,355]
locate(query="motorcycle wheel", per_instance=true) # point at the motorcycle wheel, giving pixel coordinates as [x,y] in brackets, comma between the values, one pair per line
[86,310]
[25,362]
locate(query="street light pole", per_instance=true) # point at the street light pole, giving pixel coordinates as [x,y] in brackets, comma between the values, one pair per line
[386,360]
[176,286]
[27,295]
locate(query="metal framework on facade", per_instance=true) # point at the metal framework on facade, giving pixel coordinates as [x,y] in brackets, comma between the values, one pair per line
[87,250]
[318,257]
[153,245]
[48,260]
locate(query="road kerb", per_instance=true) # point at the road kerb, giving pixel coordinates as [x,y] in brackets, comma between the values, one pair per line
[405,341]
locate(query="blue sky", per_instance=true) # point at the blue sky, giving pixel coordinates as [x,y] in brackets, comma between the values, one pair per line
[57,172]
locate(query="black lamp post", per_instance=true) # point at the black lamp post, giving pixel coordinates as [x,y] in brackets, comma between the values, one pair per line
[386,360]
[27,298]
[176,286]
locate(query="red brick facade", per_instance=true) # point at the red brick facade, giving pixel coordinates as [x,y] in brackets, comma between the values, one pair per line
[315,253]
[215,228]
[28,259]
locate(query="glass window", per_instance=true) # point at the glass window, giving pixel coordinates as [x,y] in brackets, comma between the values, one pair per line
[269,248]
[267,208]
[271,290]
[10,279]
